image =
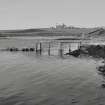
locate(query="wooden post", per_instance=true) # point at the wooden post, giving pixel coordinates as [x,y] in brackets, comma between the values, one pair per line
[49,49]
[36,47]
[69,48]
[80,44]
[61,49]
[40,50]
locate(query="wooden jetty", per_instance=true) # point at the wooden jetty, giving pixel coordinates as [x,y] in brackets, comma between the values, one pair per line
[38,48]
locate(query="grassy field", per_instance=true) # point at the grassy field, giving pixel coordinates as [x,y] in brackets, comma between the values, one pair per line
[47,32]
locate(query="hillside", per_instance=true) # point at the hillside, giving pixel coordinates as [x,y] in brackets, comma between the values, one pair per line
[97,33]
[77,32]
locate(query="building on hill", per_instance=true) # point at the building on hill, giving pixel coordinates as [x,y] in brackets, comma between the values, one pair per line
[60,27]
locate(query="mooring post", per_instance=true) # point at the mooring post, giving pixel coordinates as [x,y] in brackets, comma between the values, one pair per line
[80,44]
[49,49]
[69,48]
[40,50]
[61,49]
[36,47]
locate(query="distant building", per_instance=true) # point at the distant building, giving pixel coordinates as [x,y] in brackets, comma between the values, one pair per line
[60,27]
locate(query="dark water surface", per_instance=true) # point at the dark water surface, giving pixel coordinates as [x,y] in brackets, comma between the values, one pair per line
[27,79]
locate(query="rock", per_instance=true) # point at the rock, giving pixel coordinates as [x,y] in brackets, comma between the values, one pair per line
[101,69]
[76,53]
[103,85]
[74,101]
[32,49]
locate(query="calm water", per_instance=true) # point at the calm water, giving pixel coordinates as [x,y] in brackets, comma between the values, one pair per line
[28,79]
[21,42]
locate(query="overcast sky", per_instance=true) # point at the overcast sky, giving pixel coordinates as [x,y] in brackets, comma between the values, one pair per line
[17,14]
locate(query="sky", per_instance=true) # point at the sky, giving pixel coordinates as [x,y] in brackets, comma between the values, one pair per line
[19,14]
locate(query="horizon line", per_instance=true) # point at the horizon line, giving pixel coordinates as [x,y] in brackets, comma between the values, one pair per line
[52,27]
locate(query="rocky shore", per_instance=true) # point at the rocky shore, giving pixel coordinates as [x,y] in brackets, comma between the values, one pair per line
[97,51]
